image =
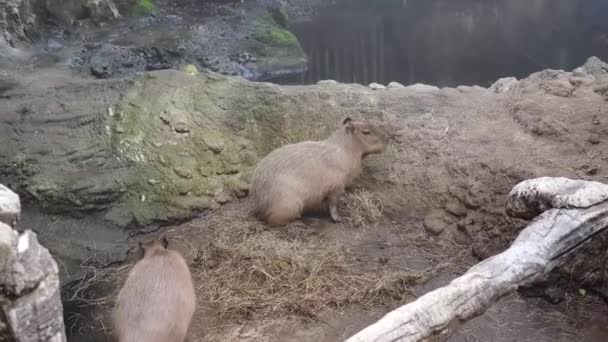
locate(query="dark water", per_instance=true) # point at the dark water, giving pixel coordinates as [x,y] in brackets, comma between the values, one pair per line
[449,42]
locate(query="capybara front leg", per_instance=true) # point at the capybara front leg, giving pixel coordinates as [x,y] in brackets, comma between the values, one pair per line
[333,199]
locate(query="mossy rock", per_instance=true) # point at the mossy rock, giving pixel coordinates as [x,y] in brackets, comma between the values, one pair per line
[268,31]
[144,7]
[230,125]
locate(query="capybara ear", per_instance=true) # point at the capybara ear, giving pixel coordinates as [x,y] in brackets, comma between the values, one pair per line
[347,120]
[350,128]
[165,242]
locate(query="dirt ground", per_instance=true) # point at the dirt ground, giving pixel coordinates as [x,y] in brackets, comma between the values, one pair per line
[320,281]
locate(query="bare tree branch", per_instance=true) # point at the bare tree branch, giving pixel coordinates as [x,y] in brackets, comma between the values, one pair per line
[581,213]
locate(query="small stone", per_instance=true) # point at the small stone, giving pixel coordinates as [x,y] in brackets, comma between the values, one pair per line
[595,66]
[594,139]
[422,87]
[152,181]
[473,89]
[376,86]
[576,81]
[215,144]
[204,171]
[559,87]
[327,82]
[456,208]
[119,129]
[253,59]
[181,127]
[183,172]
[596,120]
[503,85]
[223,198]
[553,295]
[436,222]
[101,70]
[395,85]
[434,226]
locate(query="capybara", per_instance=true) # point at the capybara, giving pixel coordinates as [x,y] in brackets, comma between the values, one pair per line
[157,301]
[298,177]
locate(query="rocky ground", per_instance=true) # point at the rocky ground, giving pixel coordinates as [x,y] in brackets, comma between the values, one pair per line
[105,149]
[120,38]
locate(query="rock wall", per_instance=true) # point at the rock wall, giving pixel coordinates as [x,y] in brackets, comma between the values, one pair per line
[22,22]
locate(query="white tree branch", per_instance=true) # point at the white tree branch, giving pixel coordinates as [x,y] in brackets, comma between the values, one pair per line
[534,253]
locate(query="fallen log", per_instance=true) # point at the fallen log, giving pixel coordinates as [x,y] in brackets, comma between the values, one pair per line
[30,303]
[570,212]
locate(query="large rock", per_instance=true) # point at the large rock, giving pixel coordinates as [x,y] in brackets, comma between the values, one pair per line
[29,278]
[23,22]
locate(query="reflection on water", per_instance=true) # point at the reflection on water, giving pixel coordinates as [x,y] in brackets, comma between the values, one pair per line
[450,42]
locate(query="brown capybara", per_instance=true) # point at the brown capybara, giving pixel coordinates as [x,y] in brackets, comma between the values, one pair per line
[302,176]
[157,301]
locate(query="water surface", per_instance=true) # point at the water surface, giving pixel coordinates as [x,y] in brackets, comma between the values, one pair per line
[449,42]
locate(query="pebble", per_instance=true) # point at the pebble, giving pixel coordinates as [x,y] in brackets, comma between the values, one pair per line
[593,139]
[376,86]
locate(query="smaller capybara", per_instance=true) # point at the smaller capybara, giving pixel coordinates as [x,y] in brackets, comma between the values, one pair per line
[157,301]
[298,177]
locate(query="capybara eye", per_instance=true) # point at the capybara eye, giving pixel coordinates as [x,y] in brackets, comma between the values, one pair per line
[366,131]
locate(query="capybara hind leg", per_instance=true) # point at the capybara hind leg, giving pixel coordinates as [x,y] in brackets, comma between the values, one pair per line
[333,198]
[283,213]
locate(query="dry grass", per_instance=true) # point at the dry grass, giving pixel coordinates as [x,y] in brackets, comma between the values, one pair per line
[94,293]
[265,277]
[362,208]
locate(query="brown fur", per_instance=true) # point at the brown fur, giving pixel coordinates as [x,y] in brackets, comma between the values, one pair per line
[299,177]
[157,301]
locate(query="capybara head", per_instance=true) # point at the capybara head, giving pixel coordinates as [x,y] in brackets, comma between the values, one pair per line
[369,138]
[148,248]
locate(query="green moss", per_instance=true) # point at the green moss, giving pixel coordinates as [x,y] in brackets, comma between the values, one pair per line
[145,7]
[268,31]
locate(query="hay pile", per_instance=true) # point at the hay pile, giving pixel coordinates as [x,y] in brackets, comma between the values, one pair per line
[265,277]
[248,271]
